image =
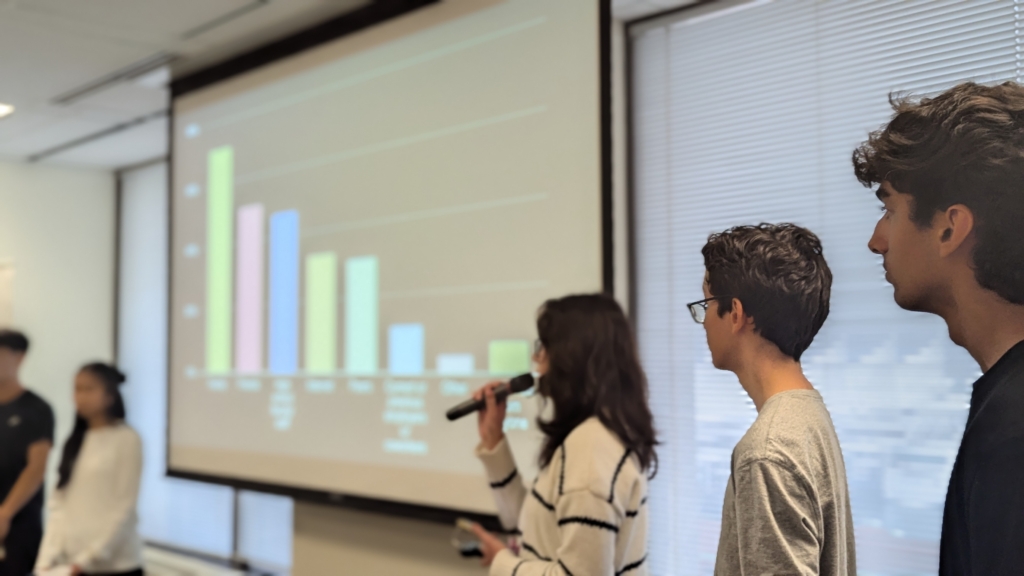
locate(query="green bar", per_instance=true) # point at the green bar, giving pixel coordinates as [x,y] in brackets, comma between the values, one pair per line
[219,251]
[321,312]
[362,292]
[508,357]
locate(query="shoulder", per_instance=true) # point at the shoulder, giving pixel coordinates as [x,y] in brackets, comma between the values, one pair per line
[125,436]
[999,417]
[592,437]
[998,459]
[593,458]
[786,429]
[37,414]
[32,401]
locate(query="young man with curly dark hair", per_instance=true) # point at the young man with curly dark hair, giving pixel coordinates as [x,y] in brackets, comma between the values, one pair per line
[950,171]
[787,505]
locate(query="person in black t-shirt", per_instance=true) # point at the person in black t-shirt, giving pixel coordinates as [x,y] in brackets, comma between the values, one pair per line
[26,435]
[951,176]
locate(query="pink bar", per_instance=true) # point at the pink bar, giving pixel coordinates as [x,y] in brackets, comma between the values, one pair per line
[249,289]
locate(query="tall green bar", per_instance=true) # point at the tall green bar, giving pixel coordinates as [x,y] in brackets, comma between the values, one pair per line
[321,312]
[219,251]
[506,357]
[362,317]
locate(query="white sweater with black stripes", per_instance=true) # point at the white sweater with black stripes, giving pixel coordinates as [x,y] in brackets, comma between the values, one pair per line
[585,515]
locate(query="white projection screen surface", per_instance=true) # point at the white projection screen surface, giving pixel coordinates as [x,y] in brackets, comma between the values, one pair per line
[362,234]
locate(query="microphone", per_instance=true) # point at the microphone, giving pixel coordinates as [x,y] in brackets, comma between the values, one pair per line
[518,384]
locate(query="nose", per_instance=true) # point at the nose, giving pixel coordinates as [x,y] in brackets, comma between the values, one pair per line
[878,243]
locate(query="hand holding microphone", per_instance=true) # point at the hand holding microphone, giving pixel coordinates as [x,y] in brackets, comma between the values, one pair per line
[491,419]
[489,401]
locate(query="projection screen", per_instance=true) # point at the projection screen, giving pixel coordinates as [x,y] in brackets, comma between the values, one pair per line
[362,234]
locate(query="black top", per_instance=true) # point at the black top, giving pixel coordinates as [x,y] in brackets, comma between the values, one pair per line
[983,523]
[24,421]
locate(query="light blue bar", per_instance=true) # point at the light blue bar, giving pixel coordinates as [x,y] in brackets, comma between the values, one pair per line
[283,316]
[455,364]
[405,349]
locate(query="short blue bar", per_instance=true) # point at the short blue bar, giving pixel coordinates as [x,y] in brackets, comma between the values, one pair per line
[405,349]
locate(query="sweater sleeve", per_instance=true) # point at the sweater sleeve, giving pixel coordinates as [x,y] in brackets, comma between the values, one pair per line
[506,483]
[51,550]
[589,527]
[125,483]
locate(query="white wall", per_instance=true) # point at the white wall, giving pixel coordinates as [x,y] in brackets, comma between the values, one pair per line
[57,226]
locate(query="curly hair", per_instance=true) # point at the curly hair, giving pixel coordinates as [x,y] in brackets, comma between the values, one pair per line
[964,146]
[779,273]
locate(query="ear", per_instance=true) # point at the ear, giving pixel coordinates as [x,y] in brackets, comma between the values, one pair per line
[738,319]
[954,227]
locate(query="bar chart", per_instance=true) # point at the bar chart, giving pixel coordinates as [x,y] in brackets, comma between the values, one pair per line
[361,235]
[291,320]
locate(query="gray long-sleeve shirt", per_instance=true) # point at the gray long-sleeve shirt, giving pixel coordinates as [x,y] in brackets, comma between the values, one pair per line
[787,508]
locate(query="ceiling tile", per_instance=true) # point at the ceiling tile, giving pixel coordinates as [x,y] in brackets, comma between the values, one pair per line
[132,21]
[133,146]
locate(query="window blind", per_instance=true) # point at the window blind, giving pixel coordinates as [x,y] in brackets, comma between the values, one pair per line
[749,112]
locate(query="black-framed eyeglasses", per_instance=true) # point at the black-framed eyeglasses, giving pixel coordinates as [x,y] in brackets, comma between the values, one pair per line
[538,347]
[699,309]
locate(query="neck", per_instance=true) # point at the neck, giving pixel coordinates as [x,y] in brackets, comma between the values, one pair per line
[765,372]
[99,422]
[984,324]
[10,388]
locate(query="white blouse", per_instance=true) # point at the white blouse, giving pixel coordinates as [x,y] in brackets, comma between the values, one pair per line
[92,520]
[585,514]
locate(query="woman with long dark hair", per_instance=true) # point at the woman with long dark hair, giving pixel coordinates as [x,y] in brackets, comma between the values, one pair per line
[92,521]
[586,512]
